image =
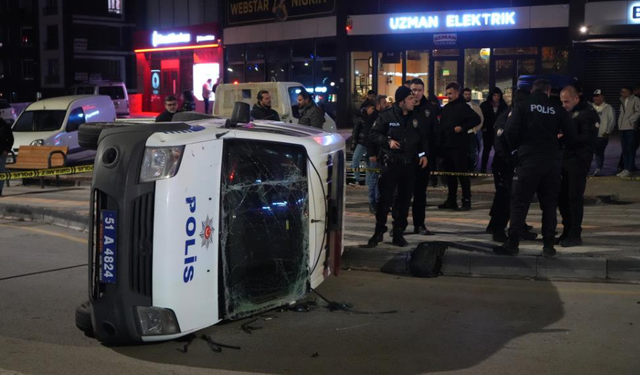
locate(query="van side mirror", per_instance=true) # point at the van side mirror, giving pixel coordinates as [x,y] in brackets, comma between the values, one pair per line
[241,113]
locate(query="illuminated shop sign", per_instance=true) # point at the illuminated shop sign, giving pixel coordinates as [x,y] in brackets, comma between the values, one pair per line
[205,38]
[454,21]
[634,13]
[158,39]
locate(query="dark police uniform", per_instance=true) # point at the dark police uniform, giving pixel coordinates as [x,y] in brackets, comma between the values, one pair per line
[576,161]
[397,166]
[427,116]
[532,129]
[503,168]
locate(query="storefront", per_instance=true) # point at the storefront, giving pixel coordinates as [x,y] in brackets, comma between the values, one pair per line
[480,49]
[610,48]
[170,62]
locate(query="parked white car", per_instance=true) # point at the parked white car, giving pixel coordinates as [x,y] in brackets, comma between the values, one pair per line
[7,112]
[55,122]
[199,221]
[284,96]
[117,91]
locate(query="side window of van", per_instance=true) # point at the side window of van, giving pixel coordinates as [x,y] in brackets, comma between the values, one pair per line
[293,94]
[114,92]
[76,118]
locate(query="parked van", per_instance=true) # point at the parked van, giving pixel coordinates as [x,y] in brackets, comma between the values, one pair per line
[117,91]
[199,221]
[55,122]
[284,100]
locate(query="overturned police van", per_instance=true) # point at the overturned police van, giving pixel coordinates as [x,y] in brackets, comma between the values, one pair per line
[197,221]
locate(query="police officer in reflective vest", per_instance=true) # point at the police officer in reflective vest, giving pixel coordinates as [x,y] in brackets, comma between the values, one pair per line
[534,129]
[576,161]
[401,140]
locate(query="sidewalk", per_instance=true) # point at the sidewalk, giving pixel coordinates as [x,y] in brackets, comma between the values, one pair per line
[611,231]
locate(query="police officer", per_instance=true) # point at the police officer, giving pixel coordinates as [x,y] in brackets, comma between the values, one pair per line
[427,118]
[576,161]
[401,140]
[534,128]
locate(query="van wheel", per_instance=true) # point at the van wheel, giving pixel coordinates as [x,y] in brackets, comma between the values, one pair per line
[89,134]
[83,319]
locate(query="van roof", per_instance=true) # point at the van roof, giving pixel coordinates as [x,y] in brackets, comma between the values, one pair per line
[63,102]
[98,83]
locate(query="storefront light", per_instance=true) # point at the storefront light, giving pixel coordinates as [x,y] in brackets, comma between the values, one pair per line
[584,29]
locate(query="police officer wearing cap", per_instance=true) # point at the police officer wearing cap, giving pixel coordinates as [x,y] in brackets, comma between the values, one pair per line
[401,141]
[535,128]
[576,161]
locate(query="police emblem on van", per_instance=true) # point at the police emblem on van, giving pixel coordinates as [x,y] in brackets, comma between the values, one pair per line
[207,233]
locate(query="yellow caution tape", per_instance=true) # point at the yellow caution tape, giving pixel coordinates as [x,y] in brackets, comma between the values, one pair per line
[45,172]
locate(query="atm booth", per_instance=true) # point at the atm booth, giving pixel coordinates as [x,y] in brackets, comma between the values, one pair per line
[170,62]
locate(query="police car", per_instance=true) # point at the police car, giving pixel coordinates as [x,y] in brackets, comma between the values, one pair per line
[197,221]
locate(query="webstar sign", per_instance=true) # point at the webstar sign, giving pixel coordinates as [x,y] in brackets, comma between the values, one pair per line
[468,20]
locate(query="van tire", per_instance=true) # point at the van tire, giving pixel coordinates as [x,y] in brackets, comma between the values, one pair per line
[89,134]
[83,319]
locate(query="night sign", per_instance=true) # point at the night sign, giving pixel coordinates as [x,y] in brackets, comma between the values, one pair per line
[158,39]
[634,13]
[454,21]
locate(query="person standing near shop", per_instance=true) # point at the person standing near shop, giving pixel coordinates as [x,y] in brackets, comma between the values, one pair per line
[605,126]
[310,113]
[491,109]
[206,95]
[475,133]
[372,176]
[427,118]
[535,128]
[6,143]
[628,124]
[188,102]
[401,141]
[171,107]
[576,161]
[262,109]
[358,136]
[457,118]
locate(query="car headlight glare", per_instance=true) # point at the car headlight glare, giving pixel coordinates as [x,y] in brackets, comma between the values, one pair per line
[160,163]
[37,142]
[157,321]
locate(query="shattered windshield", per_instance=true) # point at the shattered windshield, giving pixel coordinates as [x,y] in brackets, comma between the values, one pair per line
[264,233]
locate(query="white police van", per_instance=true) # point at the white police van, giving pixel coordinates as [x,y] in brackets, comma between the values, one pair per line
[198,221]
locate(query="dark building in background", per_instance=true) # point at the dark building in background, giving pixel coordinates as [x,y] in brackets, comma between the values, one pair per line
[85,41]
[19,50]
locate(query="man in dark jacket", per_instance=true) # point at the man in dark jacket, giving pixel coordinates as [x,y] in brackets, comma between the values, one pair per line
[456,120]
[171,107]
[491,109]
[358,137]
[372,151]
[576,161]
[310,113]
[427,118]
[262,109]
[534,128]
[401,141]
[6,143]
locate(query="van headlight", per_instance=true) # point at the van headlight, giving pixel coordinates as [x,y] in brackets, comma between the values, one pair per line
[37,142]
[160,163]
[157,321]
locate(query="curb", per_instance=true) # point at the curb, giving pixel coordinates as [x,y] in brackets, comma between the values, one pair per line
[473,263]
[62,218]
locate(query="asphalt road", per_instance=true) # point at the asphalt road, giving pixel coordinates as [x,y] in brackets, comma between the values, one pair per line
[397,325]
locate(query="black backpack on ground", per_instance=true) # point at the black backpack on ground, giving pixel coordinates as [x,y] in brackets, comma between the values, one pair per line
[426,259]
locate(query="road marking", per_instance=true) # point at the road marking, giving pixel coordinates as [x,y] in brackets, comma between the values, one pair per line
[48,233]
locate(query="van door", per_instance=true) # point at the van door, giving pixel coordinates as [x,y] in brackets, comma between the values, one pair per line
[329,124]
[119,97]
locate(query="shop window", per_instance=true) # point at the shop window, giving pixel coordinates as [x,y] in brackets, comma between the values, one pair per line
[278,71]
[555,60]
[515,51]
[279,51]
[389,72]
[445,72]
[235,53]
[302,49]
[256,52]
[326,75]
[476,72]
[302,71]
[362,77]
[255,72]
[526,67]
[326,47]
[418,66]
[446,52]
[504,78]
[235,73]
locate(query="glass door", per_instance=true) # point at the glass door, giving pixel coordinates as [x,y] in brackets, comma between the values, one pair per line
[445,72]
[505,70]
